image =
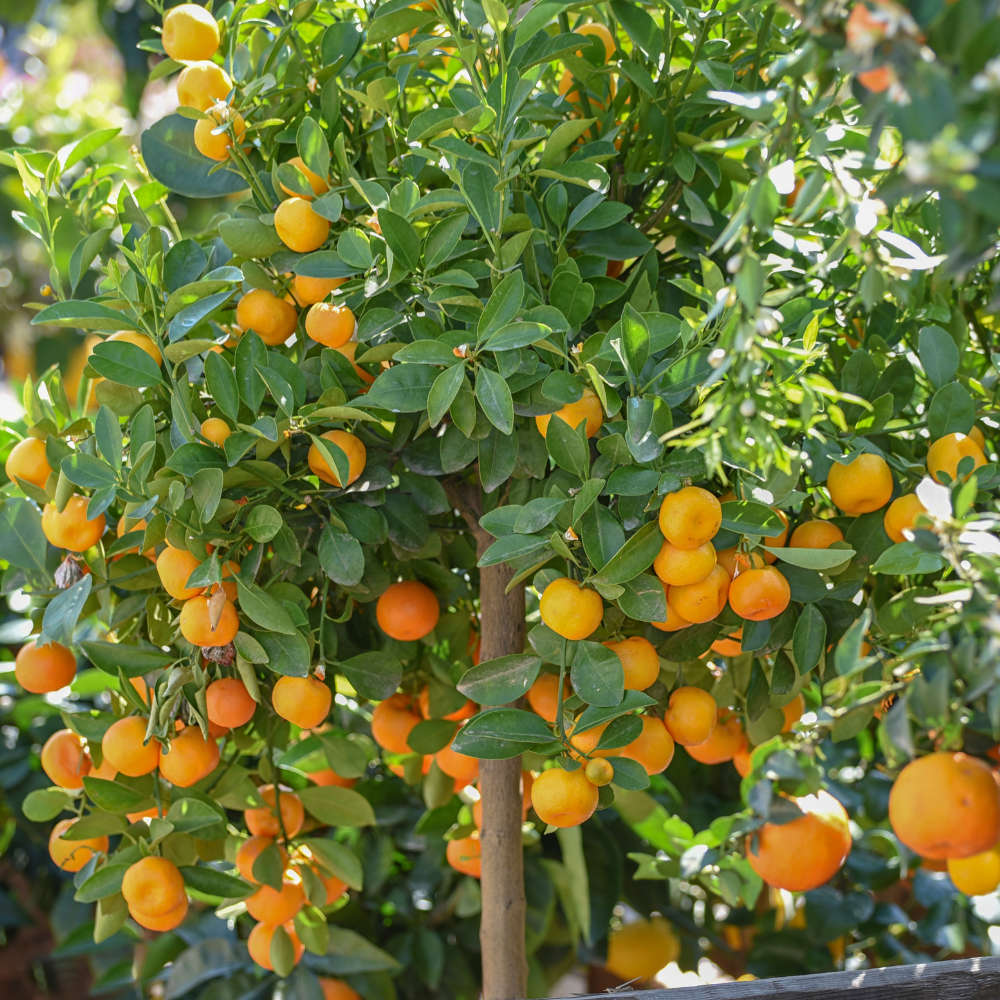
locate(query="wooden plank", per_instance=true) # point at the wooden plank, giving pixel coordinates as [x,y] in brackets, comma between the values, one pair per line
[966,979]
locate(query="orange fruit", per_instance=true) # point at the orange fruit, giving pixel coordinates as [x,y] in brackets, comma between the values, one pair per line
[189,33]
[138,526]
[407,610]
[153,886]
[330,324]
[759,594]
[105,771]
[456,765]
[215,430]
[793,712]
[70,529]
[64,759]
[978,875]
[337,989]
[229,703]
[639,660]
[690,716]
[352,446]
[124,749]
[653,747]
[877,80]
[216,146]
[392,723]
[318,184]
[334,887]
[946,805]
[861,487]
[44,669]
[349,350]
[174,567]
[690,517]
[167,922]
[735,562]
[977,436]
[730,646]
[141,341]
[674,622]
[724,742]
[587,407]
[262,821]
[587,740]
[309,291]
[808,851]
[543,696]
[703,601]
[682,567]
[72,855]
[902,514]
[599,771]
[776,543]
[303,701]
[327,776]
[467,711]
[196,623]
[594,28]
[741,759]
[464,856]
[299,227]
[945,454]
[563,798]
[641,949]
[571,610]
[190,759]
[250,850]
[27,461]
[815,535]
[259,944]
[201,84]
[273,907]
[272,319]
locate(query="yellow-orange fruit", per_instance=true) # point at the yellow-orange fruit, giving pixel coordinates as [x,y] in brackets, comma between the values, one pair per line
[216,430]
[793,712]
[407,610]
[308,291]
[462,768]
[563,798]
[351,445]
[690,517]
[640,662]
[201,84]
[44,669]
[571,610]
[273,907]
[653,747]
[259,943]
[861,487]
[318,184]
[392,723]
[123,748]
[463,854]
[724,742]
[27,461]
[945,455]
[70,529]
[702,601]
[174,567]
[299,227]
[64,759]
[262,821]
[153,886]
[759,594]
[330,324]
[902,515]
[229,703]
[543,696]
[681,567]
[141,341]
[272,319]
[72,855]
[189,32]
[216,145]
[303,701]
[250,850]
[978,875]
[815,535]
[196,623]
[587,407]
[190,759]
[690,716]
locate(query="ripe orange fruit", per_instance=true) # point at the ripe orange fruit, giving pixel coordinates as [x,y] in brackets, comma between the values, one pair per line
[945,454]
[735,562]
[196,623]
[27,461]
[462,768]
[352,446]
[730,646]
[327,776]
[213,145]
[334,887]
[563,798]
[571,610]
[309,291]
[153,886]
[171,919]
[674,622]
[349,350]
[407,610]
[299,227]
[793,712]
[641,949]
[808,851]
[262,821]
[330,324]
[587,407]
[690,716]
[337,989]
[216,430]
[174,567]
[190,759]
[64,759]
[681,567]
[72,855]
[779,541]
[464,855]
[138,526]
[690,517]
[861,487]
[272,319]
[653,747]
[977,436]
[229,703]
[701,602]
[123,747]
[594,28]
[902,514]
[946,805]
[189,32]
[723,743]
[543,696]
[392,723]
[201,84]
[639,660]
[816,535]
[259,944]
[71,530]
[318,185]
[43,669]
[978,875]
[303,701]
[140,340]
[467,711]
[272,907]
[741,759]
[599,771]
[759,594]
[250,850]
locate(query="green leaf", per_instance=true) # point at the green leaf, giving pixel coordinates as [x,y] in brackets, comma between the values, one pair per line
[629,774]
[189,459]
[403,388]
[82,148]
[501,733]
[125,364]
[401,238]
[132,660]
[848,650]
[938,354]
[312,930]
[191,815]
[809,639]
[443,238]
[374,675]
[262,609]
[349,953]
[597,716]
[635,340]
[250,238]
[431,735]
[44,804]
[443,392]
[501,680]
[389,26]
[85,315]
[114,797]
[562,137]
[497,459]
[503,305]
[597,675]
[747,517]
[105,881]
[568,446]
[479,187]
[337,806]
[908,559]
[537,514]
[338,859]
[816,559]
[311,143]
[287,654]
[511,547]
[494,396]
[170,155]
[215,883]
[951,411]
[341,556]
[514,336]
[645,599]
[21,538]
[206,491]
[636,555]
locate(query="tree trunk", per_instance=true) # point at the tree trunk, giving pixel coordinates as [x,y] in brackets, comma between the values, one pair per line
[502,928]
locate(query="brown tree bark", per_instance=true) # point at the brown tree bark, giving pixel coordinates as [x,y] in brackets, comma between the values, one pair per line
[502,927]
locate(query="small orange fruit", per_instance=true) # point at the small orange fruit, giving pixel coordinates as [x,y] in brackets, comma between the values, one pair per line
[464,856]
[779,541]
[462,768]
[392,723]
[189,33]
[690,517]
[793,712]
[407,610]
[759,594]
[330,324]
[723,743]
[259,944]
[902,515]
[216,430]
[272,319]
[250,850]
[735,562]
[273,907]
[729,646]
[586,408]
[27,461]
[196,623]
[216,146]
[639,660]
[337,989]
[351,445]
[153,886]
[861,487]
[201,84]
[674,622]
[124,749]
[308,291]
[690,716]
[174,567]
[303,701]
[70,529]
[681,567]
[64,759]
[563,798]
[945,454]
[703,601]
[815,535]
[599,771]
[571,610]
[190,759]
[44,669]
[543,696]
[318,185]
[229,703]
[262,821]
[72,855]
[978,875]
[299,227]
[141,341]
[653,747]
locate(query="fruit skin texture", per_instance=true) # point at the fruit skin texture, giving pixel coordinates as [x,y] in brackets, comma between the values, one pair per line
[353,447]
[229,703]
[674,622]
[273,907]
[262,821]
[217,146]
[272,319]
[392,723]
[701,602]
[680,567]
[327,776]
[464,855]
[729,646]
[174,567]
[902,513]
[64,760]
[299,227]
[72,855]
[407,610]
[641,949]
[570,610]
[330,324]
[593,28]
[216,430]
[43,669]
[259,943]
[153,886]
[807,852]
[27,461]
[337,989]
[250,850]
[587,407]
[861,487]
[779,541]
[318,185]
[978,875]
[460,766]
[946,805]
[191,758]
[735,562]
[309,291]
[599,772]
[639,660]
[71,530]
[196,625]
[123,748]
[945,454]
[793,712]
[726,739]
[201,84]
[653,747]
[189,32]
[690,517]
[817,534]
[691,715]
[563,798]
[303,701]
[543,696]
[171,919]
[759,594]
